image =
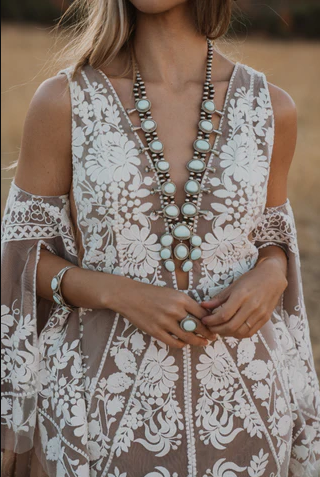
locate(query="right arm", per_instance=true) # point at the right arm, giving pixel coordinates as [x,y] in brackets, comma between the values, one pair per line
[45,169]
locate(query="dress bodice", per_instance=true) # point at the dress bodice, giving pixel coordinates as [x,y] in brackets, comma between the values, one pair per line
[113,205]
[96,395]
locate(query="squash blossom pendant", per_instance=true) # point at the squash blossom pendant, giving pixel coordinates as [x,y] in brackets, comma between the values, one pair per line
[181,243]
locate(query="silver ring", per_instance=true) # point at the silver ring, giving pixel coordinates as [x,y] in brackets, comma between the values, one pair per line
[189,324]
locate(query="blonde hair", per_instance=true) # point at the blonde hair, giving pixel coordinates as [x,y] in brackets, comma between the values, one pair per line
[103,28]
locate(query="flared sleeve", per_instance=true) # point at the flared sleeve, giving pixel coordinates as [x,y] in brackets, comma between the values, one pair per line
[29,223]
[277,227]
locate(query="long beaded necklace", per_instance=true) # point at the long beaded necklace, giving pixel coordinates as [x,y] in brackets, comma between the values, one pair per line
[181,230]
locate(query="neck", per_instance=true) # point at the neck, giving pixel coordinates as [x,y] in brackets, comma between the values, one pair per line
[168,47]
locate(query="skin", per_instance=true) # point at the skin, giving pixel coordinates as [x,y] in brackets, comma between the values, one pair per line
[172,58]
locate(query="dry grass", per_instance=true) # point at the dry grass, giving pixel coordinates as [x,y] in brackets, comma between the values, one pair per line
[291,65]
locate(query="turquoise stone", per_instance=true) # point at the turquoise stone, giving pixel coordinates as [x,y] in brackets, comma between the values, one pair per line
[190,326]
[57,299]
[149,125]
[181,232]
[166,240]
[181,251]
[165,253]
[170,265]
[169,188]
[187,266]
[156,146]
[206,126]
[163,166]
[201,145]
[143,105]
[192,187]
[54,284]
[195,254]
[196,241]
[190,210]
[208,106]
[171,211]
[196,165]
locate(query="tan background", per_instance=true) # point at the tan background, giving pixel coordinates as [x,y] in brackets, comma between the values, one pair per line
[293,65]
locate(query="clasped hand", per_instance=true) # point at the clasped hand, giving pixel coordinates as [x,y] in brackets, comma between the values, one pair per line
[240,310]
[246,306]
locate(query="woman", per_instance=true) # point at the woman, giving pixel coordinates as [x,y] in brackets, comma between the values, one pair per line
[153,314]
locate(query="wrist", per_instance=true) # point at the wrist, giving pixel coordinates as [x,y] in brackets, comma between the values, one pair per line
[112,288]
[273,268]
[69,287]
[84,288]
[56,288]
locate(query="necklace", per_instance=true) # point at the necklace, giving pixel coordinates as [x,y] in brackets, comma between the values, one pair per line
[180,230]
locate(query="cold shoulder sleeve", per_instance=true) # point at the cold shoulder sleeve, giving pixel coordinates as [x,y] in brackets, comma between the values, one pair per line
[277,227]
[29,223]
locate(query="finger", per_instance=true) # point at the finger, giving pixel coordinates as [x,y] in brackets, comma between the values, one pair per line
[217,300]
[200,330]
[166,338]
[224,313]
[189,337]
[205,332]
[237,321]
[245,332]
[195,309]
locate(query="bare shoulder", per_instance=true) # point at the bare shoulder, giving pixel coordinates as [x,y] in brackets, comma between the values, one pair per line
[285,114]
[284,107]
[44,164]
[52,98]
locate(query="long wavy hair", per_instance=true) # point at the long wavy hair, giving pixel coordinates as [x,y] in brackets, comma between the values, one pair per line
[103,28]
[100,29]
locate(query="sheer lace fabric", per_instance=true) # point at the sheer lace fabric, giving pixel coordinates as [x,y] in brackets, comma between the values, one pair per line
[93,395]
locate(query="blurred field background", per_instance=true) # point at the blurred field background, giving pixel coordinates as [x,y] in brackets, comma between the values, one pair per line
[281,38]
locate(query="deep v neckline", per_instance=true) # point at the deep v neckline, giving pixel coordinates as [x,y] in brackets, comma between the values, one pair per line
[131,125]
[148,156]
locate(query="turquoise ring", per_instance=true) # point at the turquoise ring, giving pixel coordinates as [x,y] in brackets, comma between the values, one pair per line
[189,324]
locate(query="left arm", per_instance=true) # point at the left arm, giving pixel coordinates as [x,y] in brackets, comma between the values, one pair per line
[245,306]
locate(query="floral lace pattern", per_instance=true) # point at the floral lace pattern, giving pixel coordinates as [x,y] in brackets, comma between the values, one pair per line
[277,227]
[89,390]
[33,217]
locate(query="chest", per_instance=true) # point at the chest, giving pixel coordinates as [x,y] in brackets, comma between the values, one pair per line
[115,181]
[177,114]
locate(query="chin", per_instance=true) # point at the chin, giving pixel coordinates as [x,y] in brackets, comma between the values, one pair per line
[156,6]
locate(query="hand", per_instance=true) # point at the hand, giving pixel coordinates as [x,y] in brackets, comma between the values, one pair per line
[252,299]
[158,311]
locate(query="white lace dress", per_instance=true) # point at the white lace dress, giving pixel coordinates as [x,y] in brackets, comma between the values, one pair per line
[95,396]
